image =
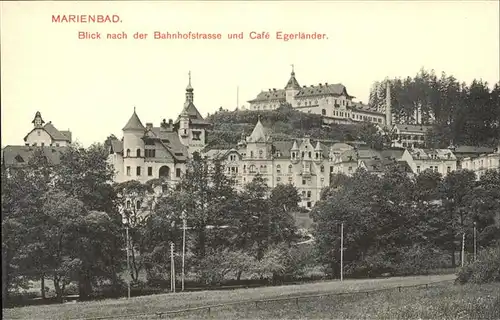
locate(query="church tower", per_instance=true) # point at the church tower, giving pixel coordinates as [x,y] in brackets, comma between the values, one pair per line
[388,108]
[38,121]
[292,88]
[190,125]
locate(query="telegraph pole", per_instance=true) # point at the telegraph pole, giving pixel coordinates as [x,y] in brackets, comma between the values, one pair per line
[342,252]
[463,250]
[183,247]
[475,246]
[172,268]
[128,261]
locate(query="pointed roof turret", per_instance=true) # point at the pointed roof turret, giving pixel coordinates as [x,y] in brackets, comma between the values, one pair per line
[292,84]
[134,123]
[295,146]
[318,147]
[38,121]
[259,133]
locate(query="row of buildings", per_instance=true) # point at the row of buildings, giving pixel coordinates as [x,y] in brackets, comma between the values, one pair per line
[148,152]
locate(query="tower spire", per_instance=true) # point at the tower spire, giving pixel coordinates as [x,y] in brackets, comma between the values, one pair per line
[293,69]
[189,91]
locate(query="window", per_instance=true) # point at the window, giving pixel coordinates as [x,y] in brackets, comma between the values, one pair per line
[150,171]
[278,168]
[448,169]
[138,171]
[290,179]
[38,132]
[128,204]
[251,154]
[278,179]
[303,194]
[331,169]
[164,188]
[323,112]
[178,172]
[42,144]
[34,144]
[138,153]
[349,169]
[303,154]
[260,153]
[309,204]
[150,153]
[128,171]
[196,135]
[138,204]
[128,152]
[57,144]
[290,168]
[308,194]
[322,168]
[251,169]
[303,181]
[309,154]
[418,169]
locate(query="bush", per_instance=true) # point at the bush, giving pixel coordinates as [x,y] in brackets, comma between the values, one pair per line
[217,264]
[485,269]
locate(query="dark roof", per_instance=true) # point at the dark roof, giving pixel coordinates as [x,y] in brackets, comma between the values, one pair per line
[134,123]
[292,83]
[17,156]
[170,141]
[194,115]
[116,146]
[365,108]
[337,89]
[53,133]
[473,150]
[272,94]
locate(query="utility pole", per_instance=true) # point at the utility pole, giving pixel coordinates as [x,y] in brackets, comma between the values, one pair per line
[183,247]
[172,268]
[128,260]
[342,252]
[475,246]
[463,250]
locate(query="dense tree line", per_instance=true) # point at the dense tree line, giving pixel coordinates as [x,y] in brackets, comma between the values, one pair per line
[63,224]
[60,223]
[463,114]
[403,225]
[286,123]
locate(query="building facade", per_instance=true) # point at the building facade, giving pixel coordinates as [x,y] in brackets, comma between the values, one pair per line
[482,162]
[147,152]
[332,101]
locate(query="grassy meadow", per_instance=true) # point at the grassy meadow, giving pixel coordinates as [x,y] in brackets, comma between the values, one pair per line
[311,307]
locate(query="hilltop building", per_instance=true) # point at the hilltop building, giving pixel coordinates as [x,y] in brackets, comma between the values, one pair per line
[332,101]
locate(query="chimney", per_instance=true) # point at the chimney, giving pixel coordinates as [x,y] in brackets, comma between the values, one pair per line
[149,125]
[320,85]
[326,83]
[170,121]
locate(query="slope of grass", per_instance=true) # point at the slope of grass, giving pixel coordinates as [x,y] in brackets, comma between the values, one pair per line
[443,301]
[166,302]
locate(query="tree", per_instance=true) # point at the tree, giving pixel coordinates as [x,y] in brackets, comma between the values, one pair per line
[86,175]
[136,202]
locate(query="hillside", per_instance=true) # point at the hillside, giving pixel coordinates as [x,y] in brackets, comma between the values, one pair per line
[284,122]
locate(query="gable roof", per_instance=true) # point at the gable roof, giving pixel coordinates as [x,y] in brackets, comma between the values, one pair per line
[292,83]
[412,128]
[53,133]
[259,133]
[194,115]
[170,141]
[336,89]
[18,156]
[271,95]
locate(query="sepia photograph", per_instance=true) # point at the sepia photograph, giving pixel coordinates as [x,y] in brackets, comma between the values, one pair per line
[250,159]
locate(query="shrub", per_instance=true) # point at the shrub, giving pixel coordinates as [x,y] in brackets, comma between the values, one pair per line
[217,264]
[485,269]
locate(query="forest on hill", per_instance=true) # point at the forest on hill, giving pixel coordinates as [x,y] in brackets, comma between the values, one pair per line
[461,114]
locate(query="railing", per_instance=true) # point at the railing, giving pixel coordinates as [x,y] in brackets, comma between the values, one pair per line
[209,308]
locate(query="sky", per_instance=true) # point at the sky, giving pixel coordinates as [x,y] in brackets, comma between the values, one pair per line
[92,86]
